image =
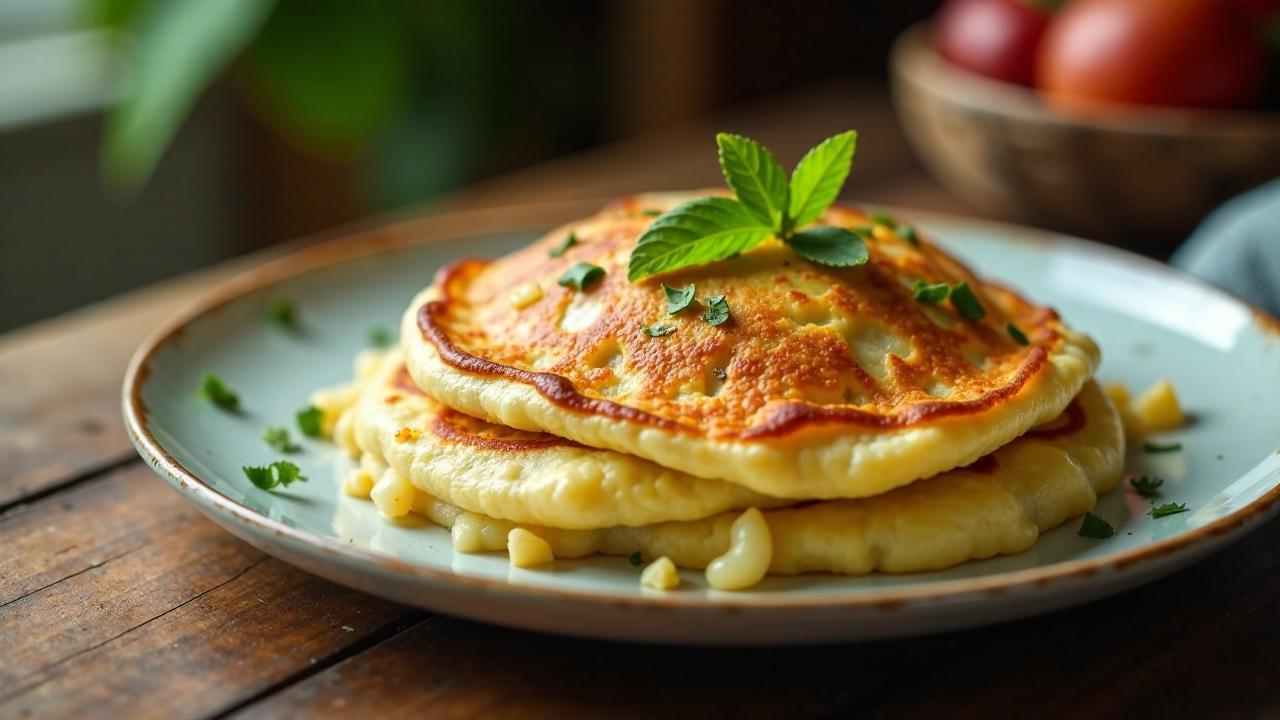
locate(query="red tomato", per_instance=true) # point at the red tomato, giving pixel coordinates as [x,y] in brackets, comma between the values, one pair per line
[995,38]
[1184,53]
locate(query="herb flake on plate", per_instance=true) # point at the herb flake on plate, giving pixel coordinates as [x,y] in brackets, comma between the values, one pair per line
[277,437]
[380,337]
[283,312]
[1155,447]
[213,389]
[309,420]
[1095,527]
[1159,511]
[1147,487]
[277,474]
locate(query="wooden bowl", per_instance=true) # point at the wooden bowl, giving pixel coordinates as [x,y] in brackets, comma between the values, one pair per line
[1140,177]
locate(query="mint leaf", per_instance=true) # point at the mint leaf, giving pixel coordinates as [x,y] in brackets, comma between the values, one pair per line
[309,420]
[831,246]
[755,176]
[932,294]
[678,298]
[717,311]
[569,241]
[215,391]
[657,330]
[818,177]
[966,303]
[581,275]
[1095,527]
[695,233]
[268,477]
[1017,335]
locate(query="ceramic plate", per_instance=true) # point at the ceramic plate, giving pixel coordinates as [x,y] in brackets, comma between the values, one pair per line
[1151,322]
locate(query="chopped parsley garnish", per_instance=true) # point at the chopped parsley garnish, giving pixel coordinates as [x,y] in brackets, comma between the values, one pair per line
[278,473]
[966,303]
[283,312]
[1158,511]
[309,419]
[1147,487]
[863,231]
[650,212]
[380,337]
[883,218]
[215,391]
[678,298]
[569,241]
[581,276]
[636,559]
[720,373]
[1154,447]
[932,294]
[1017,335]
[766,203]
[717,311]
[658,330]
[1095,527]
[908,233]
[278,437]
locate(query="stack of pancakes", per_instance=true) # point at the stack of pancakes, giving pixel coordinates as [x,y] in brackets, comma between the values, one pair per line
[870,430]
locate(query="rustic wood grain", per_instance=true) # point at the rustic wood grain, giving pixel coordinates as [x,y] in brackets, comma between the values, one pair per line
[119,597]
[1201,643]
[451,668]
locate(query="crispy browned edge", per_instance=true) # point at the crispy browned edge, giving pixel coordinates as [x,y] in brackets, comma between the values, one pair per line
[540,216]
[788,419]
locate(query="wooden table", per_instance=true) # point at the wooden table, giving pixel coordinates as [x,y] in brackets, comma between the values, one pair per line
[118,598]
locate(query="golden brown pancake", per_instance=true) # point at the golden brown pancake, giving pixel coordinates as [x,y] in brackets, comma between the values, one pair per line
[825,382]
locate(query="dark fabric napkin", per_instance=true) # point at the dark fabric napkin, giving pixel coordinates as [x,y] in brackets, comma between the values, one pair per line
[1237,247]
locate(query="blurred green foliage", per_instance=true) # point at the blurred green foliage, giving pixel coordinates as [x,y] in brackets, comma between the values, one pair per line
[429,93]
[177,48]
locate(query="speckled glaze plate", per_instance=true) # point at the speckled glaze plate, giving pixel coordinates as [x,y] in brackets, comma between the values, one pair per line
[1223,357]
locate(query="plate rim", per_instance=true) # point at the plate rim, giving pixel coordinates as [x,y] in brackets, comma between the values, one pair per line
[346,245]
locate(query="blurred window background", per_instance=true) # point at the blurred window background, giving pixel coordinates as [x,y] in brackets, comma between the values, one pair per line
[143,138]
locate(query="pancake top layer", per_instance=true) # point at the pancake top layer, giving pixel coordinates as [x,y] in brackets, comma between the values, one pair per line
[805,346]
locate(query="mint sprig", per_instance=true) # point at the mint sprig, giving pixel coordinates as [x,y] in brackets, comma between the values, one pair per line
[714,228]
